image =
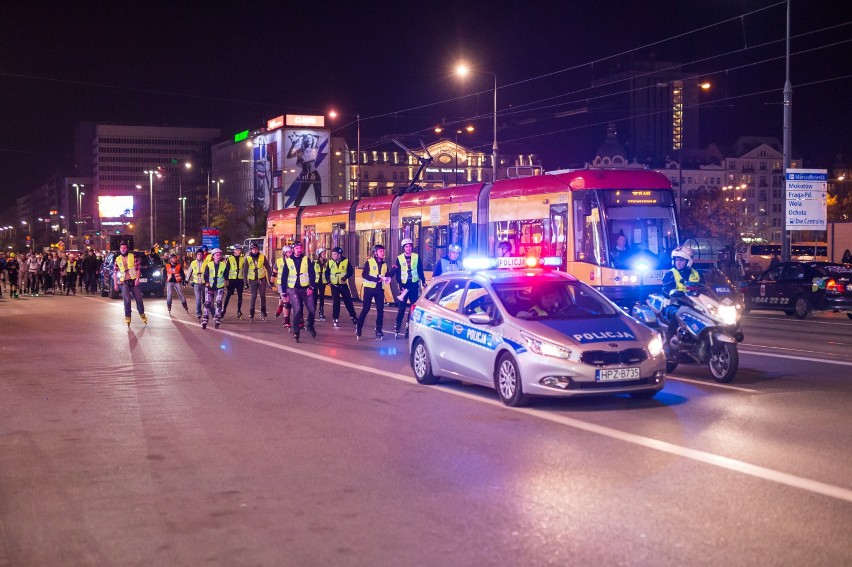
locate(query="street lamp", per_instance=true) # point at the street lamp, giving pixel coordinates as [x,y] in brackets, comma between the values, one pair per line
[462,70]
[218,183]
[334,114]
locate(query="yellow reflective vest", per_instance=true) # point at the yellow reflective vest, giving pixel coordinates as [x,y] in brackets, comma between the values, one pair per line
[319,272]
[256,268]
[235,266]
[279,269]
[215,275]
[197,269]
[694,278]
[404,268]
[374,271]
[126,267]
[304,276]
[337,271]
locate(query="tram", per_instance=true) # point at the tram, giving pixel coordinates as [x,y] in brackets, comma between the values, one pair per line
[579,216]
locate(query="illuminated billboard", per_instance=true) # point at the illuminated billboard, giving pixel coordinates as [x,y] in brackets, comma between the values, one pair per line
[115,206]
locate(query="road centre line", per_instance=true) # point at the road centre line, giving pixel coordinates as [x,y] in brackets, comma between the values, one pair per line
[734,465]
[799,358]
[786,348]
[713,384]
[800,321]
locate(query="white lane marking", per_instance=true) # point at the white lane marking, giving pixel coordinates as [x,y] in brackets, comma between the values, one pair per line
[799,321]
[713,384]
[800,358]
[789,349]
[663,446]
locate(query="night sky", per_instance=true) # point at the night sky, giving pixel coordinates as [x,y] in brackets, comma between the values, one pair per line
[232,67]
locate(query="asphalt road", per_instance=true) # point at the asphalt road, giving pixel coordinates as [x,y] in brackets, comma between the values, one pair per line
[167,444]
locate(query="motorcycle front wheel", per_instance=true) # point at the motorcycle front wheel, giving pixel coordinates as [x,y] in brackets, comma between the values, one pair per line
[724,362]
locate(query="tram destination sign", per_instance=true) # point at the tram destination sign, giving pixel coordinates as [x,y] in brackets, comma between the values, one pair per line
[805,206]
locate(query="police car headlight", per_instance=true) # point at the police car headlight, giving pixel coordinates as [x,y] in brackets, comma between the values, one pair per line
[655,347]
[545,348]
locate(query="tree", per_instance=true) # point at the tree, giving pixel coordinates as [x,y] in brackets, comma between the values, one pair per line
[716,212]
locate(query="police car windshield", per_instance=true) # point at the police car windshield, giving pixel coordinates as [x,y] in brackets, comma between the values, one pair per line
[552,300]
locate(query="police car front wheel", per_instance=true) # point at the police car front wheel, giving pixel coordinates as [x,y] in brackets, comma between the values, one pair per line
[421,364]
[507,382]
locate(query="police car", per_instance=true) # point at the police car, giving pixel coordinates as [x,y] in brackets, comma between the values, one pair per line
[531,332]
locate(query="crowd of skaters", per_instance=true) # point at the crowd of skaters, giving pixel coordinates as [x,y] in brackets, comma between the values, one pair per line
[215,278]
[49,273]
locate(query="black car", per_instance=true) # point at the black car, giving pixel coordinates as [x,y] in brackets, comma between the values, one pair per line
[152,278]
[797,288]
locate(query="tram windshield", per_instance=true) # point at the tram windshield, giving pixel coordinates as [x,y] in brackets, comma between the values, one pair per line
[624,229]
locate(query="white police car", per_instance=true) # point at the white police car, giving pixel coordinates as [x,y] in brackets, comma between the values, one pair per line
[531,332]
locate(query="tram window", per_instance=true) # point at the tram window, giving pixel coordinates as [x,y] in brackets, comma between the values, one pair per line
[338,235]
[461,232]
[434,245]
[559,230]
[309,240]
[411,229]
[588,235]
[367,239]
[647,230]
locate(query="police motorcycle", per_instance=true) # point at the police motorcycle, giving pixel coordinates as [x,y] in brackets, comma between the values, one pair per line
[700,326]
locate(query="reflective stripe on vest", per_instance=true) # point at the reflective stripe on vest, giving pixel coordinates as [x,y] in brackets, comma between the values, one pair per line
[127,272]
[336,271]
[374,271]
[694,278]
[236,267]
[198,271]
[279,267]
[319,272]
[72,266]
[256,268]
[217,280]
[304,277]
[405,268]
[173,271]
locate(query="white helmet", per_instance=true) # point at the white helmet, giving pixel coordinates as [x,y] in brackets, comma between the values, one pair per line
[406,241]
[219,250]
[320,251]
[684,252]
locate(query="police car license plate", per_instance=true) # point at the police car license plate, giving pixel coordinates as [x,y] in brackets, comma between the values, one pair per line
[143,280]
[609,374]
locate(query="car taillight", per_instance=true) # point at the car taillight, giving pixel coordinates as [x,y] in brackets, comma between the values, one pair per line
[835,287]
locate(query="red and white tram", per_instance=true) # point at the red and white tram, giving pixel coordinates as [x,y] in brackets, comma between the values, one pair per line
[577,216]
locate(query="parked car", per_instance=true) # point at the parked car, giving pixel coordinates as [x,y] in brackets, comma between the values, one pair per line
[798,288]
[152,277]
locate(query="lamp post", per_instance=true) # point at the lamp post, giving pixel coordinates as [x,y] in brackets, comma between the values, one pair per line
[182,223]
[151,173]
[463,70]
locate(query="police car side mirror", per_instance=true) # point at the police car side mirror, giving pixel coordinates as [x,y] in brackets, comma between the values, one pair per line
[481,319]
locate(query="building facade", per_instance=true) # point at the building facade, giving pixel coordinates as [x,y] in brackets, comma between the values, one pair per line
[125,199]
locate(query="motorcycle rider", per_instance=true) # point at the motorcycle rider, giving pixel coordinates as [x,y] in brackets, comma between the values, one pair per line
[676,281]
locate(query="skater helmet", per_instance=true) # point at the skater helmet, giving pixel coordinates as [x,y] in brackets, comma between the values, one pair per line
[287,248]
[377,247]
[238,246]
[11,254]
[454,248]
[684,252]
[320,251]
[216,250]
[337,249]
[254,245]
[406,241]
[199,251]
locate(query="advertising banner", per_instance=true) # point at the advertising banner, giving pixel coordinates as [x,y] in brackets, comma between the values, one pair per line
[306,169]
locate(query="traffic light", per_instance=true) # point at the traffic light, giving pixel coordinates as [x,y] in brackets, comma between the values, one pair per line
[174,161]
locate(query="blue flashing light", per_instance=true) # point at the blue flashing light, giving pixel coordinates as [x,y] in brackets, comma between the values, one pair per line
[475,263]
